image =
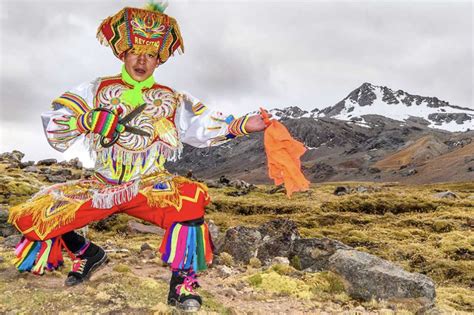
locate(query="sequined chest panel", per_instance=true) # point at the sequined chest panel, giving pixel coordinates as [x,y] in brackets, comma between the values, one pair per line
[156,119]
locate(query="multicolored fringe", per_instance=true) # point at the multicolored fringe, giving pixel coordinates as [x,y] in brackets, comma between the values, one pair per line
[36,256]
[186,247]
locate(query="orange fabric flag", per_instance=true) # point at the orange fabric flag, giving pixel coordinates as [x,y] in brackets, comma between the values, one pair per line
[283,156]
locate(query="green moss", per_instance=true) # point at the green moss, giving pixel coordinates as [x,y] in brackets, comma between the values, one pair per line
[121,268]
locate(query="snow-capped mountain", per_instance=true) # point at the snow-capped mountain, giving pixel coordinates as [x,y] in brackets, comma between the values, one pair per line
[399,105]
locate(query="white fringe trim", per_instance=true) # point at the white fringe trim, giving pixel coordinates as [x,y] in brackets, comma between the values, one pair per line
[115,195]
[130,157]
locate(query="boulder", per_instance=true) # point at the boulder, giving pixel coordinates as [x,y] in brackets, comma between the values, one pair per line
[47,162]
[314,253]
[11,241]
[271,239]
[341,190]
[136,227]
[62,172]
[213,230]
[56,178]
[366,276]
[371,277]
[31,169]
[26,164]
[241,242]
[6,229]
[14,156]
[446,194]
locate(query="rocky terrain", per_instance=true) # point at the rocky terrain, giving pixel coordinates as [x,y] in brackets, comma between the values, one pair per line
[353,248]
[374,134]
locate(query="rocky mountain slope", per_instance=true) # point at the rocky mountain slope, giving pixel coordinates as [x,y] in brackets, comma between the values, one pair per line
[374,133]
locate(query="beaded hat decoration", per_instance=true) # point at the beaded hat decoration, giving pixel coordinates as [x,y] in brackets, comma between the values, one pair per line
[146,30]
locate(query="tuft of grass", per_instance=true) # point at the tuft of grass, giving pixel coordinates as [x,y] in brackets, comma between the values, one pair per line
[226,259]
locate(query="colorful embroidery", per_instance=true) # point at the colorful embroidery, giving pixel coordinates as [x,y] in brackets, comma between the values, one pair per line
[72,101]
[198,108]
[237,127]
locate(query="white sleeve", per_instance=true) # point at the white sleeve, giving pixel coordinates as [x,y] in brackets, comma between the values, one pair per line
[202,127]
[59,124]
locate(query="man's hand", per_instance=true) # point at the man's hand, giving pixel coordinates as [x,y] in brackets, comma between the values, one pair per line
[255,123]
[101,121]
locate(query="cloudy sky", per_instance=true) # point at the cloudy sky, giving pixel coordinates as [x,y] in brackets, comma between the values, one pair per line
[239,55]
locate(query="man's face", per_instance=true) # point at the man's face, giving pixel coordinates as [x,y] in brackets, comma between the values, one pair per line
[140,66]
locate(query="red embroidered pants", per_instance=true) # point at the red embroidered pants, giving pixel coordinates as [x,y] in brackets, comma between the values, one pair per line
[193,203]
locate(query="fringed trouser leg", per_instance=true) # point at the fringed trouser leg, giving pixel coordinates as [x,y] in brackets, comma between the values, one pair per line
[40,248]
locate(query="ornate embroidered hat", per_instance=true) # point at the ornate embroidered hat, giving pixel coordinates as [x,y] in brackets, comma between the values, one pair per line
[144,30]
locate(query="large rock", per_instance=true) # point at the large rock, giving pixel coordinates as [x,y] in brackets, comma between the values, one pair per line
[274,238]
[13,158]
[313,253]
[136,227]
[47,162]
[241,242]
[370,277]
[366,276]
[6,229]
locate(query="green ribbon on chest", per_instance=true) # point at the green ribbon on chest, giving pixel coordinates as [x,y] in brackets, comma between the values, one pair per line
[134,96]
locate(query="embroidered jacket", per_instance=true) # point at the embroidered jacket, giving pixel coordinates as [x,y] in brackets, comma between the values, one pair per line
[170,117]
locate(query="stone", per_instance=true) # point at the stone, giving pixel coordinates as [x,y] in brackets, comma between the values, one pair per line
[370,277]
[446,194]
[12,240]
[145,246]
[148,254]
[241,242]
[6,229]
[278,238]
[47,162]
[62,172]
[213,184]
[213,230]
[31,169]
[341,190]
[14,156]
[136,227]
[271,239]
[314,253]
[241,184]
[26,164]
[88,173]
[224,271]
[280,260]
[56,178]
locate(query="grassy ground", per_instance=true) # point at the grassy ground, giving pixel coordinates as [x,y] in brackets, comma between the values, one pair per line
[404,224]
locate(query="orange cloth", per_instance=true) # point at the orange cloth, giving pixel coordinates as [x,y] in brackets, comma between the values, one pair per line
[283,156]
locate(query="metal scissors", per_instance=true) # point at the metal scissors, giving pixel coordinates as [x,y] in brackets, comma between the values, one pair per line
[134,113]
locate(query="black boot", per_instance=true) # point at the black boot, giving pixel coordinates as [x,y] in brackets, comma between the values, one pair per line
[85,264]
[182,294]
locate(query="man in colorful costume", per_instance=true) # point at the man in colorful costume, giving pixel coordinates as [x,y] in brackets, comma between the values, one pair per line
[132,125]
